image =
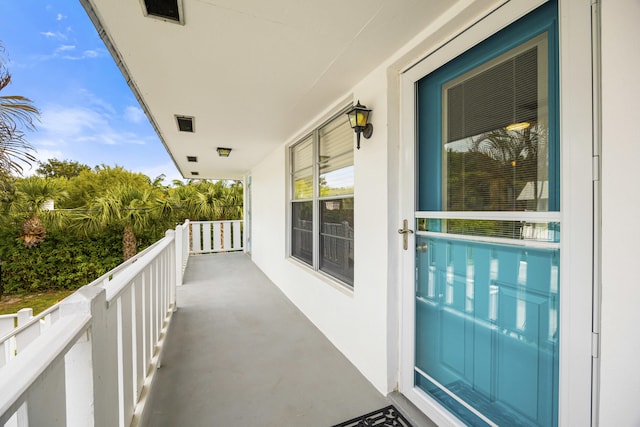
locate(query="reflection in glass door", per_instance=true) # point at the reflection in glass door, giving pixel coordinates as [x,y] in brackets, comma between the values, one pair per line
[488,229]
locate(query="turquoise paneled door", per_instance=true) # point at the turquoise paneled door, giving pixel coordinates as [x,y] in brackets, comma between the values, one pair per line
[488,229]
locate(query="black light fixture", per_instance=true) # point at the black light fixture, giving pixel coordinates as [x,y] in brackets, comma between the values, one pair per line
[223,152]
[358,119]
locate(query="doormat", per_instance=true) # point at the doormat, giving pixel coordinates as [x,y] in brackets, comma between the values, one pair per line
[385,417]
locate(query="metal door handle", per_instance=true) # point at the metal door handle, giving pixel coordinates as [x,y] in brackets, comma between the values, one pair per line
[405,231]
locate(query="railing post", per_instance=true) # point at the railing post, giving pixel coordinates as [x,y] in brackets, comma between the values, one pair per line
[92,377]
[186,247]
[28,335]
[173,261]
[178,264]
[24,316]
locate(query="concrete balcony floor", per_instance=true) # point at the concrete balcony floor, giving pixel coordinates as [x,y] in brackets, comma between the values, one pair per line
[239,353]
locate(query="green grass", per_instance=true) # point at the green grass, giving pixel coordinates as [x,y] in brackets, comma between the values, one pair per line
[10,304]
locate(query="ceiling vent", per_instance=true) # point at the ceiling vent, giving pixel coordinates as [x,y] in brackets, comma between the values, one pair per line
[193,159]
[167,10]
[194,173]
[185,123]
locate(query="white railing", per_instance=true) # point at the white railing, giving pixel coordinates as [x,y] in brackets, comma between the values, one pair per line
[182,249]
[95,364]
[19,329]
[29,326]
[216,236]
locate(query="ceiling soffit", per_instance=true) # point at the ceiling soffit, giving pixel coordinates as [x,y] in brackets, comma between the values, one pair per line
[251,72]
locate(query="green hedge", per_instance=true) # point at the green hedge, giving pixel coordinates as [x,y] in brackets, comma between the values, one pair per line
[62,261]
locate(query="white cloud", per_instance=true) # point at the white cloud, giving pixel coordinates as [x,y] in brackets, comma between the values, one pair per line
[70,122]
[134,114]
[93,132]
[60,17]
[95,101]
[108,136]
[62,127]
[87,54]
[167,169]
[51,35]
[42,155]
[68,51]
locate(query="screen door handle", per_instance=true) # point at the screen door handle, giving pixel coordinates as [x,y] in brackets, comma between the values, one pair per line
[405,231]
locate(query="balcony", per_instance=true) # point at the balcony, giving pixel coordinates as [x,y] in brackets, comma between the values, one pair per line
[162,342]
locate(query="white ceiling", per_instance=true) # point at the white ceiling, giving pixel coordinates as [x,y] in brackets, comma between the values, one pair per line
[252,72]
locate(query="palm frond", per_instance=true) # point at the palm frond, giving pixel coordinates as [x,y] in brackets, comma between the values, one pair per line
[16,113]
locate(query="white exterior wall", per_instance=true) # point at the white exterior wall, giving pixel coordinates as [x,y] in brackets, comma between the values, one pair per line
[355,322]
[363,324]
[620,339]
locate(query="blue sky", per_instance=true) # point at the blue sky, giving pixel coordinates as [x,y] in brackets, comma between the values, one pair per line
[89,114]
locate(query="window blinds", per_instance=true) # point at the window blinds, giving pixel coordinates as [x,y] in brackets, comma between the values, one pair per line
[504,94]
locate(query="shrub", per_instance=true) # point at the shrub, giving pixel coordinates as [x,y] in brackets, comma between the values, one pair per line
[62,261]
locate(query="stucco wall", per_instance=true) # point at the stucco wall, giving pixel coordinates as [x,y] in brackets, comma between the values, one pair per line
[620,345]
[356,322]
[365,324]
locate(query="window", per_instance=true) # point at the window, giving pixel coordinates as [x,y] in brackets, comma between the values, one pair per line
[496,154]
[496,134]
[321,168]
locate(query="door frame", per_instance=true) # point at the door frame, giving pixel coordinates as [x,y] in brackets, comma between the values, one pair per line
[576,174]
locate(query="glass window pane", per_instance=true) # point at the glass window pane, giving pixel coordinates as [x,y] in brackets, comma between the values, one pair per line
[302,231]
[484,100]
[336,138]
[331,164]
[495,135]
[336,159]
[336,238]
[336,178]
[504,300]
[303,184]
[302,155]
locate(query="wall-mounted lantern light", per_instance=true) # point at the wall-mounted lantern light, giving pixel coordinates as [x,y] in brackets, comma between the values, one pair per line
[223,152]
[358,119]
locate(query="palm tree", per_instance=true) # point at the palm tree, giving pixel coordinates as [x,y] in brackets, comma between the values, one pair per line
[157,181]
[218,200]
[232,201]
[125,207]
[32,197]
[16,112]
[207,204]
[179,201]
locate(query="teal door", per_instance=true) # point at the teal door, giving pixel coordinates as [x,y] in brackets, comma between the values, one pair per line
[488,229]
